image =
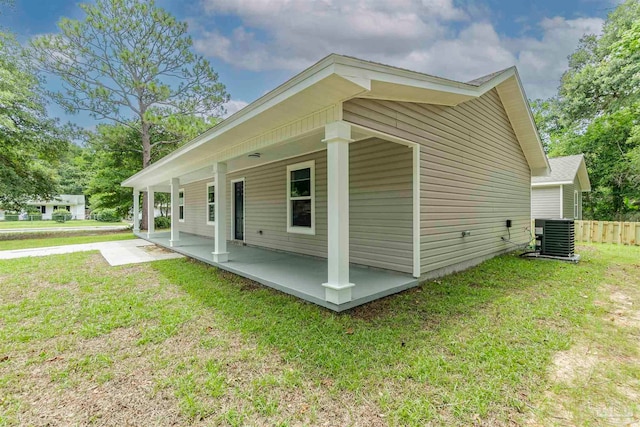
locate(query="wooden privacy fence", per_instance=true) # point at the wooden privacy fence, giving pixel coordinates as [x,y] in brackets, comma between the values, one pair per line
[622,233]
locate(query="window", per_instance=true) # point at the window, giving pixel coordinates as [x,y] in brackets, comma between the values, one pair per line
[181,205]
[301,208]
[576,205]
[211,203]
[42,209]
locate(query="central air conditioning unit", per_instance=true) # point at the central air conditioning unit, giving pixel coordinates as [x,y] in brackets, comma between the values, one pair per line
[555,237]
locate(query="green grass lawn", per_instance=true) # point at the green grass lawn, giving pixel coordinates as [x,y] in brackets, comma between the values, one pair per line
[179,342]
[60,240]
[8,225]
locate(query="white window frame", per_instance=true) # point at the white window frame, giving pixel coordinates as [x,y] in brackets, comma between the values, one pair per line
[209,205]
[233,208]
[181,205]
[576,204]
[311,165]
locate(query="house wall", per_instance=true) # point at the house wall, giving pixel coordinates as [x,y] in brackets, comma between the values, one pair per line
[195,200]
[545,202]
[77,211]
[567,200]
[380,219]
[266,207]
[380,205]
[473,176]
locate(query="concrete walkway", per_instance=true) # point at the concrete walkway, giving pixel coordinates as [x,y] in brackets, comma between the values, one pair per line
[116,253]
[58,229]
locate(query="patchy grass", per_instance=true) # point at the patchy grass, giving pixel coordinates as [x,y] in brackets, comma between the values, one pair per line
[179,342]
[8,225]
[596,382]
[63,239]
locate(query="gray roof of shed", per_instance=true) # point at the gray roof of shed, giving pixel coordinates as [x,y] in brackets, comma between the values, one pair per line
[564,170]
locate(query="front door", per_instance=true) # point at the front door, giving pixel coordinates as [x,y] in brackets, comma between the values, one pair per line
[238,207]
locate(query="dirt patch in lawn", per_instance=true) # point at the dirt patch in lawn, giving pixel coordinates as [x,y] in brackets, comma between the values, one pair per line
[600,366]
[576,363]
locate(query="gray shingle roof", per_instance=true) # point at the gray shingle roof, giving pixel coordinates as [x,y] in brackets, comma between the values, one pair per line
[563,169]
[481,80]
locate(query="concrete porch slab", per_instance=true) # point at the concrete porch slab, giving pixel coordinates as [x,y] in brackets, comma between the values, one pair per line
[297,275]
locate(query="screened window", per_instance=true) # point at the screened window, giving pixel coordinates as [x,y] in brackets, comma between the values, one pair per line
[301,198]
[211,203]
[576,205]
[181,205]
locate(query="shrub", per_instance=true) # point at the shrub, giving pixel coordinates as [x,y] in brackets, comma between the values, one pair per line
[11,216]
[61,215]
[162,222]
[106,215]
[35,216]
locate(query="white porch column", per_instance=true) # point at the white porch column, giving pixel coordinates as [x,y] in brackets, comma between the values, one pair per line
[151,227]
[337,138]
[220,253]
[175,212]
[136,211]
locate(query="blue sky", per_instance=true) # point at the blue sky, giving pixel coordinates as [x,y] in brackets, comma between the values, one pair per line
[257,44]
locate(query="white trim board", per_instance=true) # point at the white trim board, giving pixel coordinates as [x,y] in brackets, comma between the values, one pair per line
[233,208]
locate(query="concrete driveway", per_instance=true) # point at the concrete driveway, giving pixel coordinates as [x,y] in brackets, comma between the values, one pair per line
[59,229]
[116,253]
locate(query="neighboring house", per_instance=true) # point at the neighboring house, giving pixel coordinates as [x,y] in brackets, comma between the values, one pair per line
[559,195]
[73,203]
[354,164]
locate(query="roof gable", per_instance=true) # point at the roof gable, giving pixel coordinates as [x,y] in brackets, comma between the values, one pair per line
[565,170]
[332,81]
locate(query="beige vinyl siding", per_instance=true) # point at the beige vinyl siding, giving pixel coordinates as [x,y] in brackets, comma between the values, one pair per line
[195,209]
[380,205]
[473,174]
[381,209]
[266,207]
[567,200]
[545,202]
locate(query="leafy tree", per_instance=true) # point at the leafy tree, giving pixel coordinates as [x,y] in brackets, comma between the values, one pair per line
[546,113]
[29,140]
[75,170]
[597,113]
[113,157]
[604,71]
[131,62]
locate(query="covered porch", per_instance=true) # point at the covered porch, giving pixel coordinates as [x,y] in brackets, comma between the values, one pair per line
[298,275]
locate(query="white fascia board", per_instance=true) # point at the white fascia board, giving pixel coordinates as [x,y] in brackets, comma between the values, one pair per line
[496,80]
[551,184]
[583,175]
[405,78]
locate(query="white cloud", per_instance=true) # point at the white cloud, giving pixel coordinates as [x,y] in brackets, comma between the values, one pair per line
[541,62]
[432,36]
[233,106]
